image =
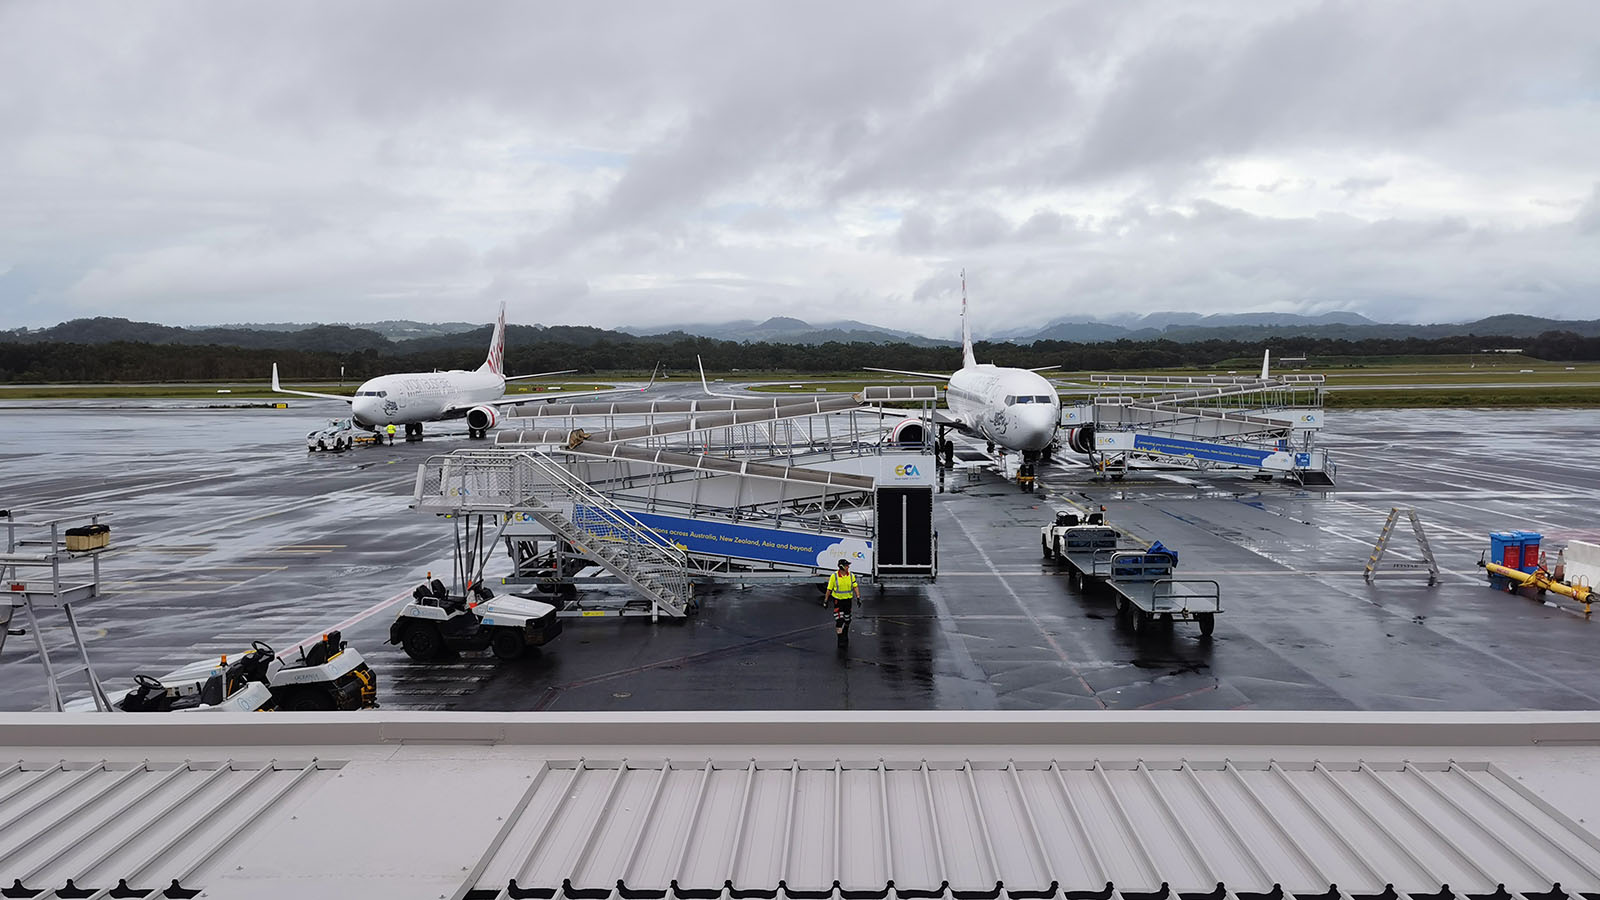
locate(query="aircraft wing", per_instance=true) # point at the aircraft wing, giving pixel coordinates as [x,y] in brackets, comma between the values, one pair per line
[932,375]
[539,375]
[940,416]
[284,390]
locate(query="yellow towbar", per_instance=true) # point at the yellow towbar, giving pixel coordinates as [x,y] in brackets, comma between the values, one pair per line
[1541,580]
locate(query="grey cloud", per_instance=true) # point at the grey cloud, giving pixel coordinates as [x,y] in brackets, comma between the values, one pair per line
[1354,185]
[638,163]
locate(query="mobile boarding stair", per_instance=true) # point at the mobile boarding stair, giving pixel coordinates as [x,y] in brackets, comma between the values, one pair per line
[1267,424]
[756,490]
[527,492]
[49,564]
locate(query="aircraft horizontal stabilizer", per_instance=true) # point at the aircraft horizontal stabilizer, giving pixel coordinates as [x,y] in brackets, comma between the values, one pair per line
[932,375]
[539,375]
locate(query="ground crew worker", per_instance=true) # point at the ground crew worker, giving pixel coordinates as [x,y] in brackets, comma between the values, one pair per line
[391,434]
[844,591]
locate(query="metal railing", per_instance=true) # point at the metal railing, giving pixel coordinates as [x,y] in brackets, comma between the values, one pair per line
[478,482]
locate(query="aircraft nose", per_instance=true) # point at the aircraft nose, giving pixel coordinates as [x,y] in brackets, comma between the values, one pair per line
[1036,426]
[366,410]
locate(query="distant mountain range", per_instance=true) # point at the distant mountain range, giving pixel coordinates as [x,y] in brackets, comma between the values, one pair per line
[786,330]
[393,329]
[1189,327]
[1157,325]
[407,336]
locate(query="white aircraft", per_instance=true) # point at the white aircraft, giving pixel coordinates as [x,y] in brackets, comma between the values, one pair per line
[412,398]
[1014,409]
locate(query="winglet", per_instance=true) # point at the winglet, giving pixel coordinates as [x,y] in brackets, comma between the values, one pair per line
[275,377]
[703,384]
[1266,357]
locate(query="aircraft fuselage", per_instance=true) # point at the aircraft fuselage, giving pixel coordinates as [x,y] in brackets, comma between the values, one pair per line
[413,397]
[1015,409]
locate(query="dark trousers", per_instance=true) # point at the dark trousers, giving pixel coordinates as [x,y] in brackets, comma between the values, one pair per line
[841,611]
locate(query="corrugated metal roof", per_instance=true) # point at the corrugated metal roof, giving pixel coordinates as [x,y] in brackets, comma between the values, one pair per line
[843,806]
[696,828]
[104,827]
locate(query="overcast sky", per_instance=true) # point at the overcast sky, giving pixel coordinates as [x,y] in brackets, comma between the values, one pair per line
[658,163]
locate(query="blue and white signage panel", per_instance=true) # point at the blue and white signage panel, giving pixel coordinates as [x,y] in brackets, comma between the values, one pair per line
[792,548]
[1223,453]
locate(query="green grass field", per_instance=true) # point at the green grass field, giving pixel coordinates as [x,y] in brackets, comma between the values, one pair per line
[1441,381]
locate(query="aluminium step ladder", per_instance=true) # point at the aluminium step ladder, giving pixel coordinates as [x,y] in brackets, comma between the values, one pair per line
[1382,547]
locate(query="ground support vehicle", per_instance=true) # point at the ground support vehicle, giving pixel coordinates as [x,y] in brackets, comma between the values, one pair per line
[326,676]
[338,436]
[1075,538]
[436,623]
[1147,593]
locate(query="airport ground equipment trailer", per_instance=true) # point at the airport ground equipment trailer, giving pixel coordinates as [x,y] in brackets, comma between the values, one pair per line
[1141,578]
[437,623]
[328,675]
[1515,564]
[1147,593]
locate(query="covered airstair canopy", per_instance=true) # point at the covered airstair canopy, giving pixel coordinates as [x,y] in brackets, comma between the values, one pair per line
[1045,806]
[698,420]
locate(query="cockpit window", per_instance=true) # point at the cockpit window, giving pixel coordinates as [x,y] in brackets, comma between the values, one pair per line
[1043,398]
[1022,400]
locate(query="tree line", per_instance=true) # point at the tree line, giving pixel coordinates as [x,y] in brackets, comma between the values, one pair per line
[127,361]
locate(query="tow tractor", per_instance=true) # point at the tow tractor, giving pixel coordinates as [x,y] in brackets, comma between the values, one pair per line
[437,623]
[337,436]
[327,676]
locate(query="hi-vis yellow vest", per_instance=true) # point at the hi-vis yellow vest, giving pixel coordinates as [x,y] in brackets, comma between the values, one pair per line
[842,587]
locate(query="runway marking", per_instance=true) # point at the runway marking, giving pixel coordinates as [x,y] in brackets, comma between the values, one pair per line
[1176,697]
[356,619]
[1037,623]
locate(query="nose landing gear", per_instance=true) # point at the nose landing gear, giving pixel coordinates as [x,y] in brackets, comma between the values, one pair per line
[1025,471]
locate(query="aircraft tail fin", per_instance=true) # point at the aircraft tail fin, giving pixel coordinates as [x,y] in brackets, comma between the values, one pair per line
[496,361]
[967,359]
[1266,360]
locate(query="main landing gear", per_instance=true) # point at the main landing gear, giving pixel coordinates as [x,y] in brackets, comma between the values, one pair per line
[414,432]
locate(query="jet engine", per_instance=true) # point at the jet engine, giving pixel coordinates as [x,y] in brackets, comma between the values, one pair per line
[1081,440]
[908,432]
[482,418]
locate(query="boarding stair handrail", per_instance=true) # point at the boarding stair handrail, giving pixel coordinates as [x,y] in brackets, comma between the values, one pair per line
[529,482]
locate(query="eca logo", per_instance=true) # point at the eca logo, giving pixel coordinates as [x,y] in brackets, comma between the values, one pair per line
[907,471]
